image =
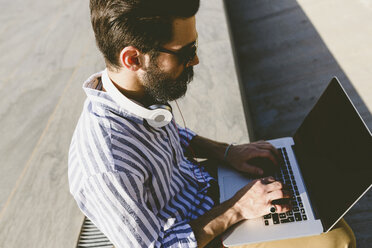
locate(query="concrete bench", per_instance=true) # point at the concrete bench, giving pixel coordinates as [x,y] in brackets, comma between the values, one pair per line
[288,51]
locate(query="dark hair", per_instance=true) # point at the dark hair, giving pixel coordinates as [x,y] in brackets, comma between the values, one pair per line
[144,24]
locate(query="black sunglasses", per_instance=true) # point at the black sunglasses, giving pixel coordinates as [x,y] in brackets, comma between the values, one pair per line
[185,55]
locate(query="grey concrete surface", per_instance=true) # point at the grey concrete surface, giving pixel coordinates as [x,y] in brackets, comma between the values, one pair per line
[47,51]
[287,53]
[213,105]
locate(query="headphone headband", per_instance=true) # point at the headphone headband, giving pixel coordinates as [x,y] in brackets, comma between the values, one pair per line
[159,115]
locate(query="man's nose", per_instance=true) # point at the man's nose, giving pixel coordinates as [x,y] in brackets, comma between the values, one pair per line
[194,61]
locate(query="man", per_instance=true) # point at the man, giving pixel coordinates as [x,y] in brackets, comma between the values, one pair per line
[132,179]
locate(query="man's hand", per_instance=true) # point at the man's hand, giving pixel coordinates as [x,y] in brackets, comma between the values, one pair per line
[252,201]
[256,198]
[245,157]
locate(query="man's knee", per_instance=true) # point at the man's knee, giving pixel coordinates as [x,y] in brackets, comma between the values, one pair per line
[341,236]
[344,235]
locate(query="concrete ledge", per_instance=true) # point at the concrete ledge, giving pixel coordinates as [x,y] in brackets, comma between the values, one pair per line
[213,105]
[289,50]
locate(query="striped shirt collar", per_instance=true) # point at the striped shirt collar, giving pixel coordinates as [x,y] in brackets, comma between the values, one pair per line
[92,87]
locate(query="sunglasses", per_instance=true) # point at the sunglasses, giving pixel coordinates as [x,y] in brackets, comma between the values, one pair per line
[184,55]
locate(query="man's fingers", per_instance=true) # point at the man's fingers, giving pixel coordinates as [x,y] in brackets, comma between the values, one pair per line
[267,145]
[262,153]
[273,186]
[276,195]
[280,199]
[267,180]
[272,149]
[282,208]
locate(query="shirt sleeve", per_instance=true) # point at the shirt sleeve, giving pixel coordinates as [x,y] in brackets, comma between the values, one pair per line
[186,135]
[114,202]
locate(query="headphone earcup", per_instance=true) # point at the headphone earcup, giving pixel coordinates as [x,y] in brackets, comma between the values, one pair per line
[161,115]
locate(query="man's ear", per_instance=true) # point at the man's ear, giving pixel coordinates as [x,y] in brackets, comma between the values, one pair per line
[130,58]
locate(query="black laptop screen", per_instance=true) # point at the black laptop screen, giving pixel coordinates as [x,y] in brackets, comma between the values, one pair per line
[334,150]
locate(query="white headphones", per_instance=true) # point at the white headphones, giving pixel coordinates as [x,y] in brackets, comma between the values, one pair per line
[158,115]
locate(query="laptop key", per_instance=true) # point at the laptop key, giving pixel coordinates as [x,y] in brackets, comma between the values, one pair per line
[275,218]
[289,213]
[296,209]
[284,221]
[298,216]
[268,216]
[301,205]
[302,211]
[266,222]
[304,217]
[291,219]
[282,215]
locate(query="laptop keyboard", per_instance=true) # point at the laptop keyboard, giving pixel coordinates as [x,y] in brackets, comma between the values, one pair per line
[298,212]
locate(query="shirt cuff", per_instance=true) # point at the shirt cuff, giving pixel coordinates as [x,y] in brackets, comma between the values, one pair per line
[183,236]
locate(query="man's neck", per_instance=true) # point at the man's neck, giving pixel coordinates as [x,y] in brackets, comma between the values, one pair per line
[129,85]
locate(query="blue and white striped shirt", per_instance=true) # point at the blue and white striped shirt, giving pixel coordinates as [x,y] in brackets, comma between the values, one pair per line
[131,180]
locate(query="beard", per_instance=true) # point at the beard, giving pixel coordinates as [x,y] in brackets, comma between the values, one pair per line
[163,87]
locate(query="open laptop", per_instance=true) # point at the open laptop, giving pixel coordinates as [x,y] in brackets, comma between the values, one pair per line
[328,162]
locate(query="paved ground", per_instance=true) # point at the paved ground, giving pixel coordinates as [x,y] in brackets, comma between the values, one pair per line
[288,51]
[47,49]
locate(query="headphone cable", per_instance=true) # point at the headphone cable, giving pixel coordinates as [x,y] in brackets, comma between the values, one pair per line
[192,150]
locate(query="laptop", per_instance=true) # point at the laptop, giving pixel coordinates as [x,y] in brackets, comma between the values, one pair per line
[328,163]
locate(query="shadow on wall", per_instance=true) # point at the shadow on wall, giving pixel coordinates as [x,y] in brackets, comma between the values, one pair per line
[284,67]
